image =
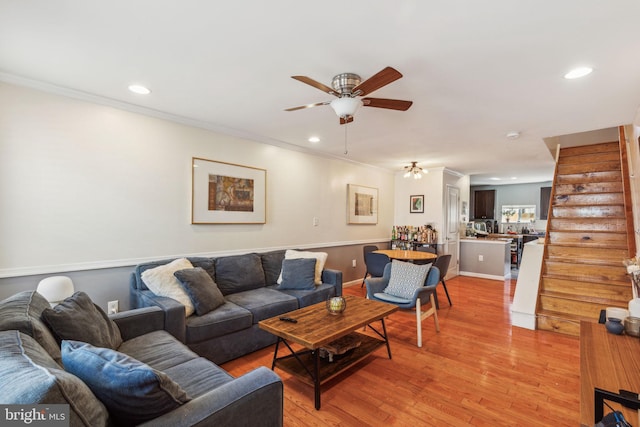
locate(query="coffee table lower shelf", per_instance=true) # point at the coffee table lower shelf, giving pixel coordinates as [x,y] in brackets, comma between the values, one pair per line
[327,370]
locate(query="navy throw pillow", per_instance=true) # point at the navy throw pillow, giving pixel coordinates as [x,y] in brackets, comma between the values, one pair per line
[298,273]
[132,391]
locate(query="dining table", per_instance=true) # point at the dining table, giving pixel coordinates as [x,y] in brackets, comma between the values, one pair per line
[407,255]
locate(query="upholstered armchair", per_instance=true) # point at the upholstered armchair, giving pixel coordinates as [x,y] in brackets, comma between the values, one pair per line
[409,289]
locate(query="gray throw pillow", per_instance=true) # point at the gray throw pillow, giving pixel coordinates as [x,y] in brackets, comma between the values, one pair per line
[201,288]
[406,278]
[78,318]
[132,391]
[298,274]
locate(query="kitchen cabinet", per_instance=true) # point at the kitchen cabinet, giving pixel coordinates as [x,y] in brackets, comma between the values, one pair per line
[484,204]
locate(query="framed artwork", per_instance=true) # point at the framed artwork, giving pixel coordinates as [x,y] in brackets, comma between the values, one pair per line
[416,204]
[362,203]
[225,193]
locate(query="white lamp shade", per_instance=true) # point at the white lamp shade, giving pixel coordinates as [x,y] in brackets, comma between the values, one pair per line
[55,288]
[345,106]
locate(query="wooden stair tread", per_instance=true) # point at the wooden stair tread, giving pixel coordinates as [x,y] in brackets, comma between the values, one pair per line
[585,279]
[567,316]
[582,298]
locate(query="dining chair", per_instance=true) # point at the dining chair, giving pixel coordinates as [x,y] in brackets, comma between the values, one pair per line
[442,262]
[375,265]
[415,290]
[428,249]
[365,250]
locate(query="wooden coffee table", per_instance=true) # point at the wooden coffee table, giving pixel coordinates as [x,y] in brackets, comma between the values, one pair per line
[316,328]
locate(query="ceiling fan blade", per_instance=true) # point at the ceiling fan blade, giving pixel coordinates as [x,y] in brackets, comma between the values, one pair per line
[317,85]
[391,104]
[375,82]
[302,107]
[343,121]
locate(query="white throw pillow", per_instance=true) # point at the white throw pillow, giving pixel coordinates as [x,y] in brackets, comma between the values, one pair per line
[161,281]
[406,278]
[321,258]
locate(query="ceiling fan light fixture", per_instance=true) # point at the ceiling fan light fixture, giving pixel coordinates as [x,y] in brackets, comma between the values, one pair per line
[414,170]
[346,106]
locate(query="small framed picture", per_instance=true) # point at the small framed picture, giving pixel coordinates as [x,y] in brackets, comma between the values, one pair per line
[416,204]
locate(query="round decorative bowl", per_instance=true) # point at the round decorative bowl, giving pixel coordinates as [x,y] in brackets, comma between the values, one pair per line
[336,305]
[614,326]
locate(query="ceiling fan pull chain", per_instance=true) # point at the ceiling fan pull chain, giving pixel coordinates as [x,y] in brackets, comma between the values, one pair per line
[345,136]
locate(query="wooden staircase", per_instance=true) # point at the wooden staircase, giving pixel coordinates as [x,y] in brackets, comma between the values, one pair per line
[587,238]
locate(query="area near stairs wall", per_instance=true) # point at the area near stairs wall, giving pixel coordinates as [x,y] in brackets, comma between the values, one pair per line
[88,190]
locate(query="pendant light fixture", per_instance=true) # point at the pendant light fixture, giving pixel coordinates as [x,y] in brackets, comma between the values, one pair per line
[414,170]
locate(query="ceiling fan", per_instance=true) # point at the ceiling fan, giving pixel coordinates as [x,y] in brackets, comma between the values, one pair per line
[347,87]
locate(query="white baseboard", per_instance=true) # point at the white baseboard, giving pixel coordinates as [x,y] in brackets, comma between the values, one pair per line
[486,276]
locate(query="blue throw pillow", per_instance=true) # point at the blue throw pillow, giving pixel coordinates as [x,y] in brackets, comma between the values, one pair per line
[298,273]
[132,391]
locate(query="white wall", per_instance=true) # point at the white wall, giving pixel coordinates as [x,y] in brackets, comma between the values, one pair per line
[433,187]
[86,186]
[430,185]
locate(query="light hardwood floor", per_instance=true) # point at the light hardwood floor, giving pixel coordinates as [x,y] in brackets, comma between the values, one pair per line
[479,370]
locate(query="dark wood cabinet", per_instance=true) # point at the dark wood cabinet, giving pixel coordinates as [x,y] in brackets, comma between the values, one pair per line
[484,204]
[545,197]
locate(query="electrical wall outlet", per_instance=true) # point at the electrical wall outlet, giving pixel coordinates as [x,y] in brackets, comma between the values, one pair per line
[316,221]
[112,307]
[353,263]
[480,258]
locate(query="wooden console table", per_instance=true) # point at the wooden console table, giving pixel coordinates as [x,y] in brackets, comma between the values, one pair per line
[609,362]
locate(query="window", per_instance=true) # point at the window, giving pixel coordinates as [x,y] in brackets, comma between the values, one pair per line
[518,213]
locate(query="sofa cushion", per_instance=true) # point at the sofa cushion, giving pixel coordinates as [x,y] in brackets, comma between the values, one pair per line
[30,376]
[239,273]
[298,274]
[23,312]
[320,257]
[158,349]
[198,376]
[201,288]
[161,281]
[272,265]
[305,298]
[264,303]
[131,390]
[405,278]
[78,318]
[223,320]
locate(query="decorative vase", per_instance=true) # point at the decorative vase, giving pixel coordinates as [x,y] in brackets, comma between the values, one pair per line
[336,305]
[614,325]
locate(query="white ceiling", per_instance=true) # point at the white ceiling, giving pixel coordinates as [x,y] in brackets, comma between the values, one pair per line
[475,70]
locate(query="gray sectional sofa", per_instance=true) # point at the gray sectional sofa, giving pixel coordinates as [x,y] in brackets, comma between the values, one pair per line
[35,369]
[248,284]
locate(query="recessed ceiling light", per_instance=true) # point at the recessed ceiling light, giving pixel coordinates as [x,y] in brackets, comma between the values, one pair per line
[576,73]
[494,178]
[513,135]
[139,89]
[514,177]
[314,139]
